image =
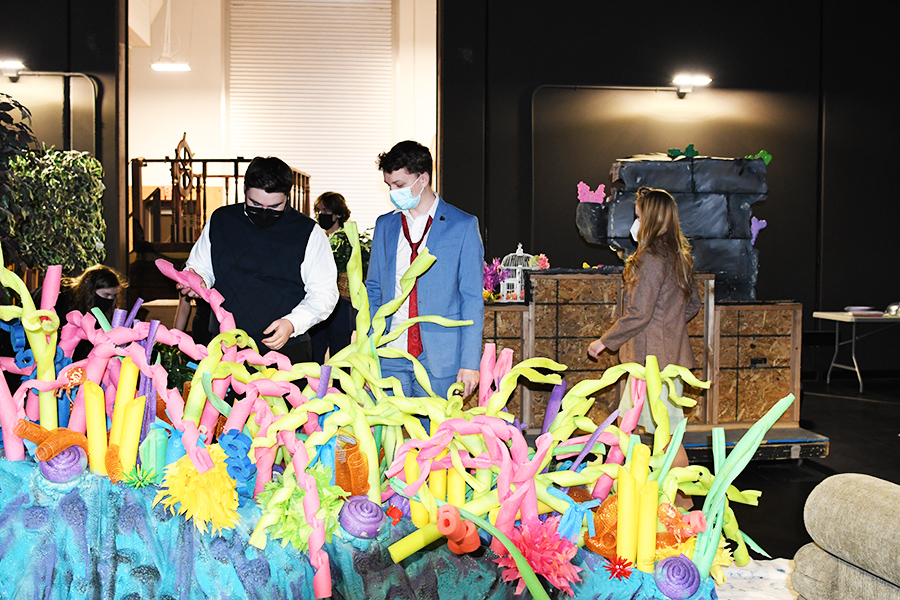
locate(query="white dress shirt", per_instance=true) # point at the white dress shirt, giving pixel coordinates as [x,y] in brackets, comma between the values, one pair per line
[404,254]
[318,272]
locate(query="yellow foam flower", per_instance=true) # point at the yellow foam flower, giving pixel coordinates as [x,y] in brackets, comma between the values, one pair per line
[209,498]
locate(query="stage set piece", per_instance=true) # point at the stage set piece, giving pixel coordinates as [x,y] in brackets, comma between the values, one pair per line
[318,481]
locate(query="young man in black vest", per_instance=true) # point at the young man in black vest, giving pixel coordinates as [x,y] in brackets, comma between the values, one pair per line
[271,263]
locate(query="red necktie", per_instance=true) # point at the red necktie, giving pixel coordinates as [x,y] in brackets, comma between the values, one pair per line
[413,335]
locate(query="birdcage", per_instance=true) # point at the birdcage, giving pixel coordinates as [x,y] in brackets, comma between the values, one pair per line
[512,287]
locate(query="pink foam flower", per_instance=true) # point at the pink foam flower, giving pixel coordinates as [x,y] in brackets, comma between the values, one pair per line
[543,261]
[586,195]
[548,554]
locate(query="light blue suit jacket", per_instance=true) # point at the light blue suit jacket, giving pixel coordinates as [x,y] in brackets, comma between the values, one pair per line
[451,288]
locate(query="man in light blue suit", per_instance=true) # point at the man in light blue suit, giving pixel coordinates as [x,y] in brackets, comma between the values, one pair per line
[451,288]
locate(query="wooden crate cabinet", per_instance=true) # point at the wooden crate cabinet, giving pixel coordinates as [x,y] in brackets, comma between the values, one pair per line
[758,362]
[750,353]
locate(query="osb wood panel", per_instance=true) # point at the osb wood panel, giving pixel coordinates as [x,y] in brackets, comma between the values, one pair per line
[758,361]
[763,351]
[544,289]
[589,290]
[726,401]
[770,320]
[760,319]
[759,390]
[585,320]
[545,320]
[509,324]
[490,332]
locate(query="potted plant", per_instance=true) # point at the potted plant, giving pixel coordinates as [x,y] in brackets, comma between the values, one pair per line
[50,200]
[60,194]
[16,139]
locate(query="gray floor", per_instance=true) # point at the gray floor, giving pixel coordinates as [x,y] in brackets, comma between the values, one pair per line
[864,433]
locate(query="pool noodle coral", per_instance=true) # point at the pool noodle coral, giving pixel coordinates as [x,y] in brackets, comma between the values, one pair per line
[291,411]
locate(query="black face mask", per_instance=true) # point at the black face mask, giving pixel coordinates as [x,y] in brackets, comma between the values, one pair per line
[326,222]
[262,217]
[104,304]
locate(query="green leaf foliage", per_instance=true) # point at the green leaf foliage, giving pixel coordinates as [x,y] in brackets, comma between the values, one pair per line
[61,219]
[16,139]
[341,249]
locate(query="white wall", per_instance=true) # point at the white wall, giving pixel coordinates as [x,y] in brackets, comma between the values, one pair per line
[164,106]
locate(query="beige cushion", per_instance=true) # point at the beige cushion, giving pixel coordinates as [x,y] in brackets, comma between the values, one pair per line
[819,575]
[856,518]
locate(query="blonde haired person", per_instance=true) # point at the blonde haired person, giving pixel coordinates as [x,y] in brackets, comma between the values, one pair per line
[660,298]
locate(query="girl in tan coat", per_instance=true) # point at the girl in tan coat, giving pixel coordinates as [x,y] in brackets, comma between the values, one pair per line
[660,298]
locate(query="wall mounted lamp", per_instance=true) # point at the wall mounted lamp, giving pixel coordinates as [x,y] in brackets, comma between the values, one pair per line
[11,68]
[685,83]
[14,69]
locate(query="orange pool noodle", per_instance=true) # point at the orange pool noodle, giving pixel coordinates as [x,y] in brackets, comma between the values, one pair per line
[28,430]
[60,439]
[603,541]
[113,463]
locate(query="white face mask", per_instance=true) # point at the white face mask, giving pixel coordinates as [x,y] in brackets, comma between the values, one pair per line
[635,227]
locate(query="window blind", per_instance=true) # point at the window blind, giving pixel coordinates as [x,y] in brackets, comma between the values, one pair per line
[310,81]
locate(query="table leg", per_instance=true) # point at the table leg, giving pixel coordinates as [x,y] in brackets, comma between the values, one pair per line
[853,355]
[837,344]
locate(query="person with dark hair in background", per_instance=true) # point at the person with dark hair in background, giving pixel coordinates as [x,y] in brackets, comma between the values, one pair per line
[450,288]
[97,287]
[270,262]
[334,333]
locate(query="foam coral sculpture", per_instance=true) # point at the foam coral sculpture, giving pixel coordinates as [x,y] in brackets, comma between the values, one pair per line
[548,553]
[209,498]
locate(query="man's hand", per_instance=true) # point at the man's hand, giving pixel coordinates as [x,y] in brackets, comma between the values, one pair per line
[596,348]
[186,291]
[470,378]
[281,331]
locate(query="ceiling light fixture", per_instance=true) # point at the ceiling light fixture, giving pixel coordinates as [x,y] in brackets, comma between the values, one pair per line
[166,61]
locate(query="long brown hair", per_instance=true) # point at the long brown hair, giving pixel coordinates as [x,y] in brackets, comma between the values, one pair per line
[85,286]
[660,234]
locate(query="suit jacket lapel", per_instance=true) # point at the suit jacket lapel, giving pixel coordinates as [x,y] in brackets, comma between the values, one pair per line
[392,234]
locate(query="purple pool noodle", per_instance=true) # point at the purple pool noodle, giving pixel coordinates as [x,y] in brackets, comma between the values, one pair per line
[118,318]
[553,405]
[402,503]
[151,339]
[146,384]
[323,381]
[149,392]
[65,466]
[593,439]
[677,577]
[134,311]
[361,517]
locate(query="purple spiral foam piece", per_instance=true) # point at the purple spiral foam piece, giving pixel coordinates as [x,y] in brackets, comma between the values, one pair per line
[65,466]
[677,577]
[361,517]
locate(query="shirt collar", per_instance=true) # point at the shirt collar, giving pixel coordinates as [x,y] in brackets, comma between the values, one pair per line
[431,212]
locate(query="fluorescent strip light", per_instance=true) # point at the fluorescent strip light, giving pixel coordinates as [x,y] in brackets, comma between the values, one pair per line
[170,66]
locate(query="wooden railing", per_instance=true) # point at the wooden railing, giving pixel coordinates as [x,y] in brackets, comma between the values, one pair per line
[161,224]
